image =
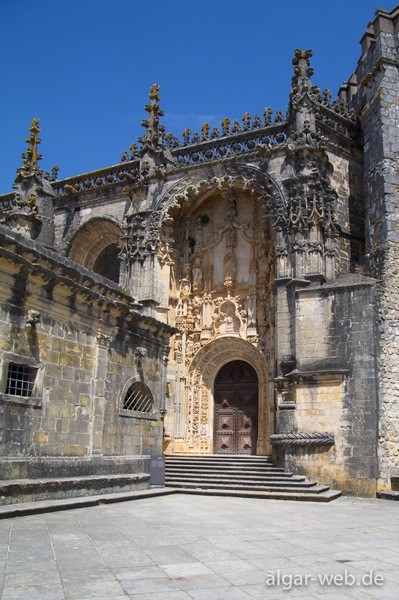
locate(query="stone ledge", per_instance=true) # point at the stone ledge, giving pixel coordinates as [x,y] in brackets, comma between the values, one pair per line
[33,508]
[389,495]
[29,490]
[33,468]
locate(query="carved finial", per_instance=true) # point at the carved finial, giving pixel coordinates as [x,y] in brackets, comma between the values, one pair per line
[172,141]
[33,142]
[205,131]
[267,113]
[215,133]
[236,127]
[186,136]
[278,117]
[154,155]
[246,120]
[155,111]
[133,151]
[31,157]
[256,123]
[225,126]
[301,64]
[326,96]
[30,211]
[302,87]
[54,173]
[154,93]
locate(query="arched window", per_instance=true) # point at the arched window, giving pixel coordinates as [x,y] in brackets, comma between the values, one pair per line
[107,263]
[138,398]
[95,247]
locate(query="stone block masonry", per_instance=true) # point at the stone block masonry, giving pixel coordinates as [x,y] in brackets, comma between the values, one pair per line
[78,345]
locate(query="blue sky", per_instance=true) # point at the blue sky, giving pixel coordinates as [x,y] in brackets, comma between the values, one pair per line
[84,67]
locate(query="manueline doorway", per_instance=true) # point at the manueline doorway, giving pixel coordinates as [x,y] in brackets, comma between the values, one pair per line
[236,409]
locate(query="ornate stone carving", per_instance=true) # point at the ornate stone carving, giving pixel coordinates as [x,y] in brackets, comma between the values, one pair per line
[29,211]
[33,318]
[140,352]
[212,305]
[302,439]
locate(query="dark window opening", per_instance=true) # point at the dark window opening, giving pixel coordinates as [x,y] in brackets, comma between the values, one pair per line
[138,398]
[20,380]
[107,263]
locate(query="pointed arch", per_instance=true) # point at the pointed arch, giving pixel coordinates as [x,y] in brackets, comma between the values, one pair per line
[250,178]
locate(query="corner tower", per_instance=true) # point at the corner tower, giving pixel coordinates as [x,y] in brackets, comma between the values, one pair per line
[373,91]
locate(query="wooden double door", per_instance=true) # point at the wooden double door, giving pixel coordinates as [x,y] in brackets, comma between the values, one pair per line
[236,409]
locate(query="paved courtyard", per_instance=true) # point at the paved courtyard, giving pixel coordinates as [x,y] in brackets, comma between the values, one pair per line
[180,547]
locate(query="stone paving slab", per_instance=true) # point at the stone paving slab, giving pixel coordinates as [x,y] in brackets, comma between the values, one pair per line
[176,547]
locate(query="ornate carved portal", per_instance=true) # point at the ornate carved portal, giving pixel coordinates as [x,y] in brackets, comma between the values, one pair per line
[222,298]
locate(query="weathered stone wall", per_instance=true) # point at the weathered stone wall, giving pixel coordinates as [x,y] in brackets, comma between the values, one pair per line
[347,180]
[126,433]
[73,211]
[84,347]
[378,106]
[334,386]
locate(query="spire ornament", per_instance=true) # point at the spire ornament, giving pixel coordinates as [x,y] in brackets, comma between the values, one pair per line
[154,154]
[30,210]
[30,158]
[302,69]
[305,97]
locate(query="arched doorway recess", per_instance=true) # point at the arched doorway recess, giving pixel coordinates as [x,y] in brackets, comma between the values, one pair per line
[236,409]
[199,405]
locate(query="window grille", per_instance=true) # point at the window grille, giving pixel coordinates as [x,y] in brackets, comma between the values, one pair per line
[20,380]
[139,398]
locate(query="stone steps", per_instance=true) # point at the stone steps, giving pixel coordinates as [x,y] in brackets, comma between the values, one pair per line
[299,496]
[240,476]
[201,473]
[240,468]
[304,487]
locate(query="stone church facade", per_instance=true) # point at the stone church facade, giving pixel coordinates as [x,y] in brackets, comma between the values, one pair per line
[240,283]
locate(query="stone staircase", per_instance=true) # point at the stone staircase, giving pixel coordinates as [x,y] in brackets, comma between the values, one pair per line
[237,475]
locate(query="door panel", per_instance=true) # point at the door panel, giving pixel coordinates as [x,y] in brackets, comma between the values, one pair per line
[224,422]
[236,409]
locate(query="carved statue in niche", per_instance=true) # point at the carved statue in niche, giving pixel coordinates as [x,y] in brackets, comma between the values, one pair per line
[229,261]
[231,213]
[208,277]
[197,274]
[197,312]
[226,319]
[185,288]
[185,291]
[229,268]
[178,350]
